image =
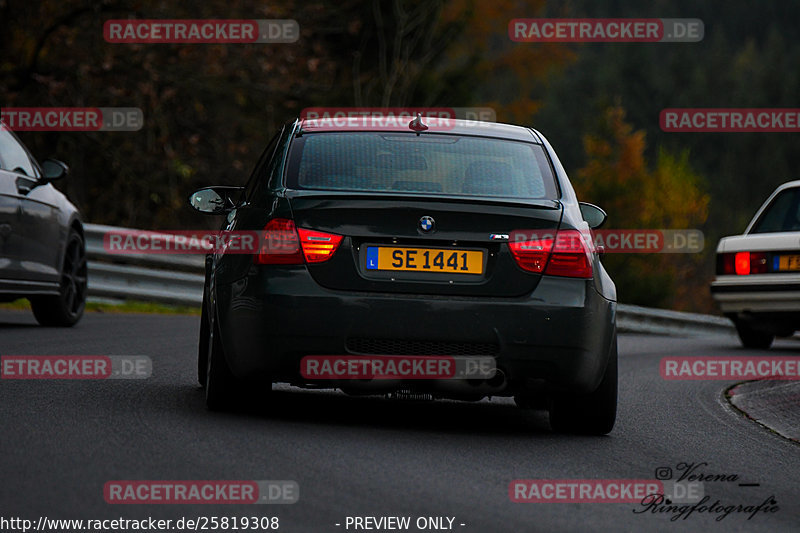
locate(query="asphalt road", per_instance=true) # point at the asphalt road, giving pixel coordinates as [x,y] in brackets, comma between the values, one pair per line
[61,441]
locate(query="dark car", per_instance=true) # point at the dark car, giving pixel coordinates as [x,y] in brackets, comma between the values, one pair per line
[42,251]
[466,240]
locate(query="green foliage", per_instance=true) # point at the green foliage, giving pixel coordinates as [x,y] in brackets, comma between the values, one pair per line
[665,195]
[209,109]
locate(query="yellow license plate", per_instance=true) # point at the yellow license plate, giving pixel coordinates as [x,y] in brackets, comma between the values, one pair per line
[789,262]
[445,260]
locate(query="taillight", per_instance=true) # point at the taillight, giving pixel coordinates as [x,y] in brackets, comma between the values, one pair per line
[284,244]
[318,246]
[563,253]
[726,264]
[531,251]
[279,244]
[570,256]
[742,263]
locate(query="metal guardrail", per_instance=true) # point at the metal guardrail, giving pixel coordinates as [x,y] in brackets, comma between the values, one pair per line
[177,279]
[636,319]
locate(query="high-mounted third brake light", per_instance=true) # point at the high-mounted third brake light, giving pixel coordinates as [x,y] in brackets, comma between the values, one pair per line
[281,244]
[562,253]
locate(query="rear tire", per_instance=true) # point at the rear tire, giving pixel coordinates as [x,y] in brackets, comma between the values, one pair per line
[224,391]
[588,414]
[66,308]
[221,384]
[202,345]
[752,338]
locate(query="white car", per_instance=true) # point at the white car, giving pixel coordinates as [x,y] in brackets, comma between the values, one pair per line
[758,273]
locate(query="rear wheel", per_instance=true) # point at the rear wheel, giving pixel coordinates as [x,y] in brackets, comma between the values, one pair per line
[202,345]
[221,384]
[224,391]
[66,308]
[592,414]
[753,338]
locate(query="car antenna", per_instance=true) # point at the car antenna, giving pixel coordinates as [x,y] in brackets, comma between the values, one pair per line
[417,125]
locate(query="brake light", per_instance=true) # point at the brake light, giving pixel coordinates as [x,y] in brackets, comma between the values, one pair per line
[279,244]
[570,256]
[531,251]
[318,246]
[284,244]
[743,263]
[563,253]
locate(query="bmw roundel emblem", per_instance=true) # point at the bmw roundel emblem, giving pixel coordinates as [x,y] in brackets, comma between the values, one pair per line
[426,223]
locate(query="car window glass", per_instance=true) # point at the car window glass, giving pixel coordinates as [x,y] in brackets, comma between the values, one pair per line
[256,177]
[446,164]
[13,156]
[783,214]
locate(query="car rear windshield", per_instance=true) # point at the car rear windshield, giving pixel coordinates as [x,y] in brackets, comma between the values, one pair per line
[432,164]
[782,214]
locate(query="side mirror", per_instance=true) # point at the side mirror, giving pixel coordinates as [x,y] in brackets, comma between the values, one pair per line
[592,214]
[53,169]
[214,200]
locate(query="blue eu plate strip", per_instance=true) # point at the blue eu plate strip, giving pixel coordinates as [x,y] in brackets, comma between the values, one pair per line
[372,258]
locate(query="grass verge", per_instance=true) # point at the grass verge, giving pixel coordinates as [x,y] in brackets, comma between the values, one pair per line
[127,306]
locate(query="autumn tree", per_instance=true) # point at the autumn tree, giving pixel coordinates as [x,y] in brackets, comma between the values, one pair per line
[664,194]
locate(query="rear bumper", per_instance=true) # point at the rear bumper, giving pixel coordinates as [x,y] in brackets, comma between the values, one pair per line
[559,334]
[765,294]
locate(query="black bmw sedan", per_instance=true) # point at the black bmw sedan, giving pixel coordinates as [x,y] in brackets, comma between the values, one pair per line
[443,241]
[42,250]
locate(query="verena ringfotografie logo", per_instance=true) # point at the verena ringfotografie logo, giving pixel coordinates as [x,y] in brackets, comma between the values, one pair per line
[72,118]
[75,367]
[395,118]
[731,120]
[396,367]
[201,31]
[652,241]
[727,368]
[604,30]
[691,482]
[583,490]
[201,492]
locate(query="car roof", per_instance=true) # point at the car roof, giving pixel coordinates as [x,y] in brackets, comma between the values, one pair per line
[787,185]
[436,125]
[782,187]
